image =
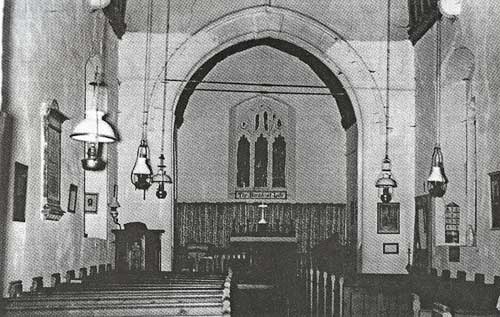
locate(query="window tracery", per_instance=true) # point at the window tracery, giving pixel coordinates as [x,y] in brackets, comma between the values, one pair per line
[261,138]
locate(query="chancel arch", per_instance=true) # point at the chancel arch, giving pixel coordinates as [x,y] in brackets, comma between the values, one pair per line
[333,60]
[344,67]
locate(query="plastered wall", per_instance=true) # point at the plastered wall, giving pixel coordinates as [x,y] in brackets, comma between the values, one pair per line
[45,48]
[319,174]
[474,30]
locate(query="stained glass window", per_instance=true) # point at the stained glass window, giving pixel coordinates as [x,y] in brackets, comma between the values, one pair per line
[260,175]
[243,162]
[261,149]
[279,161]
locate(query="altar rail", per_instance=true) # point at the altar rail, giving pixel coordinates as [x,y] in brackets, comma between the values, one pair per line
[214,223]
[327,293]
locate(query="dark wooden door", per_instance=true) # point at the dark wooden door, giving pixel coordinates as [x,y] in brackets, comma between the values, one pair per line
[422,243]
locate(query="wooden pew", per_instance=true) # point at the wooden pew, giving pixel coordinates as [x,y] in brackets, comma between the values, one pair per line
[167,294]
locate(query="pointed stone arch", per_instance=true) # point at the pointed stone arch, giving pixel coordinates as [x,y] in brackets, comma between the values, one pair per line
[347,69]
[331,57]
[327,53]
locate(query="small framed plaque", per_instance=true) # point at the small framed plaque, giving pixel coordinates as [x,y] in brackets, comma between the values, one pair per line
[391,248]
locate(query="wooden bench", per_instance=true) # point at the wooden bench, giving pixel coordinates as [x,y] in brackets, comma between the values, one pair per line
[159,294]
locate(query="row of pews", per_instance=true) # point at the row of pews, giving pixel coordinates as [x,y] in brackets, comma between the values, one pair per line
[126,294]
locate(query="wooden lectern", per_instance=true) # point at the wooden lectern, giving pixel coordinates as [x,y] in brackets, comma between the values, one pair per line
[137,248]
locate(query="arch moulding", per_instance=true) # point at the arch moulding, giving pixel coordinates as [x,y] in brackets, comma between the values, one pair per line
[302,31]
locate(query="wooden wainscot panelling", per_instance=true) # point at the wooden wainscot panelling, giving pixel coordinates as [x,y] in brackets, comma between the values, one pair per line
[214,223]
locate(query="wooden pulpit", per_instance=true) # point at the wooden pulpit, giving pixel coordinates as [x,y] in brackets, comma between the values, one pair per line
[137,248]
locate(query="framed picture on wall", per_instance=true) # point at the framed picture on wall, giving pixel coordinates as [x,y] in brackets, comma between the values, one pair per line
[90,202]
[72,198]
[388,218]
[20,189]
[454,254]
[495,199]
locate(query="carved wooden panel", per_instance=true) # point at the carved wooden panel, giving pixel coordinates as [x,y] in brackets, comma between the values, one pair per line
[51,143]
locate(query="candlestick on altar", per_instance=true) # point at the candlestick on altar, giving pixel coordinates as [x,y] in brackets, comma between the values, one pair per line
[262,220]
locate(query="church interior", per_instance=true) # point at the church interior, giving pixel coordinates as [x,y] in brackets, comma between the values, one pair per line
[250,158]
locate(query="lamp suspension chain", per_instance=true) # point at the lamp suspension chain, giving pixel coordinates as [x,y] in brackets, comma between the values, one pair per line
[388,60]
[438,81]
[102,46]
[165,82]
[147,71]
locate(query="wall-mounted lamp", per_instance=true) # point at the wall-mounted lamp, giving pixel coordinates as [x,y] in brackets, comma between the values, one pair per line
[114,205]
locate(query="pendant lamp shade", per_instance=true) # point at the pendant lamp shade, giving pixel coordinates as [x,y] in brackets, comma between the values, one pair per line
[385,183]
[141,173]
[161,178]
[94,129]
[450,7]
[437,180]
[98,4]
